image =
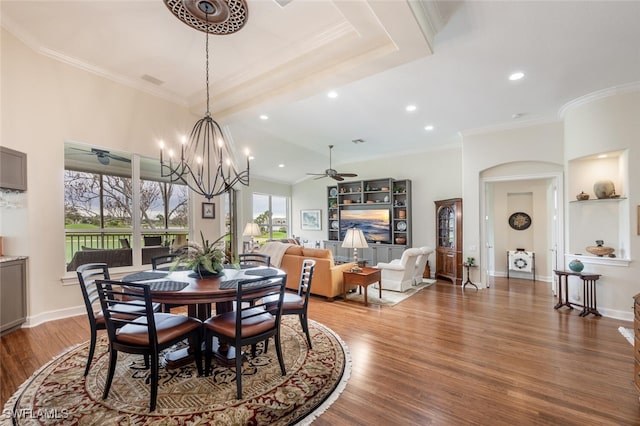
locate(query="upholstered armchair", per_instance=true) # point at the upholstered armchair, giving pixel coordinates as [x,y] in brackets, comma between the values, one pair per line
[421,263]
[399,275]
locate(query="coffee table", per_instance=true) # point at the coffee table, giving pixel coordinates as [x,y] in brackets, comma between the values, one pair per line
[361,279]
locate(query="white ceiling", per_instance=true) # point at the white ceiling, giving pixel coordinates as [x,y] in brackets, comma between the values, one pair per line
[450,59]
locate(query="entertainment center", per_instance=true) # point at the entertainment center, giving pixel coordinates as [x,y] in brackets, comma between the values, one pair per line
[381,208]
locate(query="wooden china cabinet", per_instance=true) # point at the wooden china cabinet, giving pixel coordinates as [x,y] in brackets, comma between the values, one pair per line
[449,240]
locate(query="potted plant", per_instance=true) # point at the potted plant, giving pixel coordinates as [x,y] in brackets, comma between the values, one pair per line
[205,259]
[470,261]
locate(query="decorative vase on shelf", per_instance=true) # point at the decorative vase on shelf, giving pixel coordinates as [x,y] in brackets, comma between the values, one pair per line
[601,250]
[576,266]
[604,189]
[401,240]
[582,196]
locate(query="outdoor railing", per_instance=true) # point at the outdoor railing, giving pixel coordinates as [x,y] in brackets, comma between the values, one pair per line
[77,240]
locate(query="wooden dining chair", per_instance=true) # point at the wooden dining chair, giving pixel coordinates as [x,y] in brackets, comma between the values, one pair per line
[146,335]
[254,259]
[87,276]
[167,262]
[248,324]
[296,304]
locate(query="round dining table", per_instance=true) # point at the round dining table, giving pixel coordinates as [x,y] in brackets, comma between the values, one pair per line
[187,287]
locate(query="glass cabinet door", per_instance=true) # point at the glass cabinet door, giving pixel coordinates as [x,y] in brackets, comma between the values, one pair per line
[446,227]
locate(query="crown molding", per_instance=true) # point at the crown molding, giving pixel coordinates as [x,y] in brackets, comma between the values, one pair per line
[508,126]
[600,94]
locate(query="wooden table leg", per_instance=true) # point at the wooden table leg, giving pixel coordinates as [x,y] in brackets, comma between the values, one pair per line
[365,294]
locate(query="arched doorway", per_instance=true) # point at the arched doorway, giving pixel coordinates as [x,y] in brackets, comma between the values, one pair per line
[535,188]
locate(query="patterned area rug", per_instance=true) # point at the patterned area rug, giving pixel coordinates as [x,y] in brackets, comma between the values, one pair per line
[389,298]
[59,394]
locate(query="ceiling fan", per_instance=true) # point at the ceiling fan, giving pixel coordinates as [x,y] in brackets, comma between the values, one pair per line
[332,173]
[104,157]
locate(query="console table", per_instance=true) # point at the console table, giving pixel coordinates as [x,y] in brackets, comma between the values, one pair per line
[588,288]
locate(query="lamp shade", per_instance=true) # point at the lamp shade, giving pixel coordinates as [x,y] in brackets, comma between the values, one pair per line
[354,239]
[251,230]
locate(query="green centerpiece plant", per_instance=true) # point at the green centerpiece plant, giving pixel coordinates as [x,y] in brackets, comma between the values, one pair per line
[205,258]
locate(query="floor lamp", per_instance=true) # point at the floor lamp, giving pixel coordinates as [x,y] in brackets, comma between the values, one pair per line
[355,239]
[251,230]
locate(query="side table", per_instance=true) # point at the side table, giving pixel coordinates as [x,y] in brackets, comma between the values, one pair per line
[468,281]
[361,279]
[588,288]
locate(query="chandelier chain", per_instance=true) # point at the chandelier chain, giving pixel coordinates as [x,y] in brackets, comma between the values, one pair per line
[206,48]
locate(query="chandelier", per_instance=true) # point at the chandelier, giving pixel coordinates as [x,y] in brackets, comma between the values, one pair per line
[206,164]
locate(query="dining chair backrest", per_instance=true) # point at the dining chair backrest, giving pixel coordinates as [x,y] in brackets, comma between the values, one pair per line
[116,296]
[250,323]
[306,278]
[165,261]
[254,259]
[147,334]
[257,292]
[87,276]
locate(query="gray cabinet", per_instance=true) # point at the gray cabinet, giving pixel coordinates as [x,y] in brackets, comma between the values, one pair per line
[13,169]
[387,200]
[385,253]
[13,294]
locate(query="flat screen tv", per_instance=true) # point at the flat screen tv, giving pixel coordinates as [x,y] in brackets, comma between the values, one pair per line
[374,223]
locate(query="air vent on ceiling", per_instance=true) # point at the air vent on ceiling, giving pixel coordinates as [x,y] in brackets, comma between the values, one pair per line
[357,141]
[153,80]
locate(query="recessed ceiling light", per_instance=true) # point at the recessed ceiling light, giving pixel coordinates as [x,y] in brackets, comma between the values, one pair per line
[264,117]
[411,108]
[332,94]
[429,127]
[281,165]
[516,76]
[517,115]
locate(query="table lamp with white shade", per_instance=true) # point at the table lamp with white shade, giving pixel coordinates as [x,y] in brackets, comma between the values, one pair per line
[251,230]
[355,239]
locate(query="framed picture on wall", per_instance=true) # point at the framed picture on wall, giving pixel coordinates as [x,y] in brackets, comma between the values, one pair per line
[208,210]
[310,220]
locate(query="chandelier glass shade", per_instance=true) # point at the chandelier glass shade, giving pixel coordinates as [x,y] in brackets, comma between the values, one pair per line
[206,164]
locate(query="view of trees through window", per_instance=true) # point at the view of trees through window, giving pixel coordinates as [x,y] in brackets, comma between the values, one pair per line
[99,209]
[271,213]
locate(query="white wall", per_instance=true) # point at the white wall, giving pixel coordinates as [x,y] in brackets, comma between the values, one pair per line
[434,176]
[512,154]
[44,103]
[594,125]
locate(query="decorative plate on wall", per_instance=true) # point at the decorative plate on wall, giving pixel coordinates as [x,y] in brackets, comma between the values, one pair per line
[333,192]
[402,226]
[520,221]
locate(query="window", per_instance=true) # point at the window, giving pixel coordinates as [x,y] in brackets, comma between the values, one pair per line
[99,200]
[271,213]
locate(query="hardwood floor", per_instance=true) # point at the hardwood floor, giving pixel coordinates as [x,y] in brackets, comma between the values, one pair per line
[501,356]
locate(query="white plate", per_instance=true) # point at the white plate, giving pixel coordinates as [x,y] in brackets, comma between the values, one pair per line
[333,192]
[402,226]
[334,225]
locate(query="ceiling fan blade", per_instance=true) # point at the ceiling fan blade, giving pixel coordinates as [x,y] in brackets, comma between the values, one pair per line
[337,177]
[317,174]
[347,174]
[320,177]
[118,158]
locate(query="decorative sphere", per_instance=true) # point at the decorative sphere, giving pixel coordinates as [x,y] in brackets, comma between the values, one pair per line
[576,266]
[604,189]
